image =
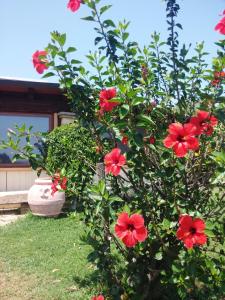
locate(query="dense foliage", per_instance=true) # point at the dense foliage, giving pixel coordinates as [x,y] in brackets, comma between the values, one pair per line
[157,218]
[72,151]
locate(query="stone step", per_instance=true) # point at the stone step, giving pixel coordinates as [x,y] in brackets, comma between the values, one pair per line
[13,202]
[13,197]
[10,210]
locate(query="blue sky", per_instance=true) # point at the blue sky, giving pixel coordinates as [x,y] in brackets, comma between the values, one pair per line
[25,26]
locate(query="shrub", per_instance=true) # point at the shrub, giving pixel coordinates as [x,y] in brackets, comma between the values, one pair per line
[157,218]
[72,151]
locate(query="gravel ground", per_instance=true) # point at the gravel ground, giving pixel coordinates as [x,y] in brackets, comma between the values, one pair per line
[7,219]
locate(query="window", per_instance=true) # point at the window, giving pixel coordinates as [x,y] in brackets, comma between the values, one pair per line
[40,122]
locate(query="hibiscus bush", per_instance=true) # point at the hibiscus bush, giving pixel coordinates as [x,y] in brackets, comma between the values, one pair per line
[156,217]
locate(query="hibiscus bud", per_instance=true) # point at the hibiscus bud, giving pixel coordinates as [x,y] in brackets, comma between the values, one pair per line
[152,140]
[153,103]
[124,140]
[98,149]
[144,72]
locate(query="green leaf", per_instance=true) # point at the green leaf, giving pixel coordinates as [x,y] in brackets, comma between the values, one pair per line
[102,187]
[89,18]
[166,224]
[75,61]
[209,233]
[126,209]
[62,39]
[104,8]
[137,101]
[125,36]
[124,110]
[145,120]
[109,23]
[47,75]
[115,199]
[71,49]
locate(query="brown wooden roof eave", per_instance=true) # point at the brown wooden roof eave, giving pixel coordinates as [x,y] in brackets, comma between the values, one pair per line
[31,96]
[23,86]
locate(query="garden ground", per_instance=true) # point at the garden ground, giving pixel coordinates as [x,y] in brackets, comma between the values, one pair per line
[45,259]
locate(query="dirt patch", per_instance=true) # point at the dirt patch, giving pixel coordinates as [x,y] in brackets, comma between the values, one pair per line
[16,286]
[7,219]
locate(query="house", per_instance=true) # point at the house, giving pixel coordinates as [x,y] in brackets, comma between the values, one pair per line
[35,103]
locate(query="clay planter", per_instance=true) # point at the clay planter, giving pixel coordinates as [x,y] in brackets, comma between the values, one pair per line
[40,200]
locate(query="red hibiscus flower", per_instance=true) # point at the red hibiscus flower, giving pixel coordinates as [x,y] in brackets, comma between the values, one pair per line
[74,5]
[218,76]
[181,138]
[191,231]
[215,82]
[204,122]
[100,297]
[114,161]
[124,140]
[131,230]
[104,97]
[221,26]
[58,183]
[39,61]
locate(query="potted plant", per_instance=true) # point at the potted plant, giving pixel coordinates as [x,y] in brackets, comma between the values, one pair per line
[47,195]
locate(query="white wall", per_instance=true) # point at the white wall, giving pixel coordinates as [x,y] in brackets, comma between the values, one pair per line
[16,179]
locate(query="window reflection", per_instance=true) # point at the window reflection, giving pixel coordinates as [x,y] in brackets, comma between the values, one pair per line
[40,123]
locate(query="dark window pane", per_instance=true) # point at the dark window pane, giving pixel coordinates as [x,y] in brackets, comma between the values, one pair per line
[40,123]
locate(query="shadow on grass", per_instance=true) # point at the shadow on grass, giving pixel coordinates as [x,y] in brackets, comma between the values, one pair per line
[89,281]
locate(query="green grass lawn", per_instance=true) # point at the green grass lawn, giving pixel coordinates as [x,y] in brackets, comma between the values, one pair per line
[43,259]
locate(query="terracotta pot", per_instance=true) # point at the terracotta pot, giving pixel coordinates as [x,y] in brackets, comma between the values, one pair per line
[41,201]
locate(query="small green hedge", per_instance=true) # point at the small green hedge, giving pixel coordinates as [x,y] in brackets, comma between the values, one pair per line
[72,150]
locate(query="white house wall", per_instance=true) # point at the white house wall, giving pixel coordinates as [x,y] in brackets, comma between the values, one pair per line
[16,179]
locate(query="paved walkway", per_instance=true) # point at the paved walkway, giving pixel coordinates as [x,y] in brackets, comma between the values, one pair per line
[7,219]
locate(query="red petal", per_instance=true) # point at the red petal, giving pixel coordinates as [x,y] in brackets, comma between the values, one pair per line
[107,94]
[185,222]
[123,219]
[199,225]
[213,121]
[129,240]
[111,93]
[115,170]
[108,159]
[181,234]
[121,231]
[141,234]
[176,129]
[42,53]
[188,242]
[200,238]
[137,220]
[169,141]
[40,68]
[115,153]
[180,149]
[192,142]
[221,26]
[73,5]
[203,115]
[108,169]
[189,129]
[122,160]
